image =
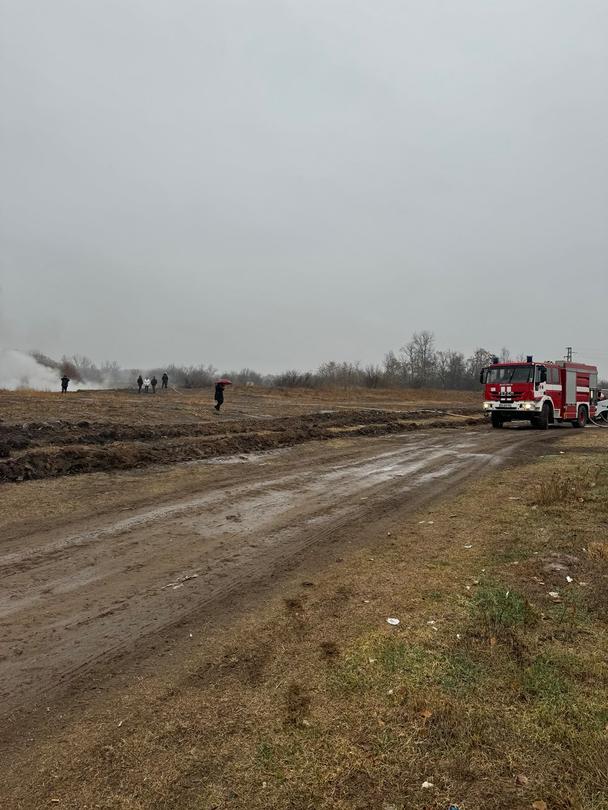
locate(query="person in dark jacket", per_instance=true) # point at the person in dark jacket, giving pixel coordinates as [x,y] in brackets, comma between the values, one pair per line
[219,395]
[64,384]
[164,380]
[140,382]
[153,383]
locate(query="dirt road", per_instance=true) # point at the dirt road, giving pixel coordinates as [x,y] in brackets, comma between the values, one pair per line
[74,597]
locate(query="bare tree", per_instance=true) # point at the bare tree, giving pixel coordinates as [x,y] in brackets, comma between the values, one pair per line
[394,372]
[479,359]
[451,369]
[419,357]
[372,376]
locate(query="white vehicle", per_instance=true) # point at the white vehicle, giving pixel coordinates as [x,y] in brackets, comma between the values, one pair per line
[601,410]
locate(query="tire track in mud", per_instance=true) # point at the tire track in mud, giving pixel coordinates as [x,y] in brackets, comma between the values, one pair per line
[122,596]
[40,450]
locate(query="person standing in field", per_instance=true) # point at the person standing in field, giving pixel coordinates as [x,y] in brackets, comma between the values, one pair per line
[153,383]
[219,395]
[140,382]
[146,385]
[164,381]
[64,384]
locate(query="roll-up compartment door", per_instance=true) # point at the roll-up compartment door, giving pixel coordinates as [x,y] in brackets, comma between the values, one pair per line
[570,387]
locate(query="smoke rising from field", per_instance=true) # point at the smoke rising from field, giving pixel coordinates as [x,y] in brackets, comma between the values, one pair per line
[20,370]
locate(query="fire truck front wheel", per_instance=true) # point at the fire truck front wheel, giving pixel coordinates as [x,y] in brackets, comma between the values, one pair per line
[497,420]
[542,421]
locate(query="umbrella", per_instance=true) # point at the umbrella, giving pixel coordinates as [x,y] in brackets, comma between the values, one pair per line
[223,381]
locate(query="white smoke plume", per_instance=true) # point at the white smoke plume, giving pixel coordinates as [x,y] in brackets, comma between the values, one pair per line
[19,370]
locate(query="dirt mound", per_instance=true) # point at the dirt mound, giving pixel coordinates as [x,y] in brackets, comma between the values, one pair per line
[50,449]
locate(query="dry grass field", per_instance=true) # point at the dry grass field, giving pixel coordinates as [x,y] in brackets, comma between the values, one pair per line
[180,406]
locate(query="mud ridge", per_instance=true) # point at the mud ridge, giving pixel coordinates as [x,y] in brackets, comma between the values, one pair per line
[48,450]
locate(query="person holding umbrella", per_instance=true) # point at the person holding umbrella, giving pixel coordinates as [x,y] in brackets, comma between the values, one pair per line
[219,392]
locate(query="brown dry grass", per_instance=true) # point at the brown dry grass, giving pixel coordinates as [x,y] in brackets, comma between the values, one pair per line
[489,688]
[191,406]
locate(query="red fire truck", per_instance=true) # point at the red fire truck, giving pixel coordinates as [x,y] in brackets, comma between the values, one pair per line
[542,393]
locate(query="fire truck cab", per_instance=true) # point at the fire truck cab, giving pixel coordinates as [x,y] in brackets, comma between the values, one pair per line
[542,393]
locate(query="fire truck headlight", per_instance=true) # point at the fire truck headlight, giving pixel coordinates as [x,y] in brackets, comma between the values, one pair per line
[528,406]
[487,405]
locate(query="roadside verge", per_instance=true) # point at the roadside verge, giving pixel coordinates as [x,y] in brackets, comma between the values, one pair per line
[491,692]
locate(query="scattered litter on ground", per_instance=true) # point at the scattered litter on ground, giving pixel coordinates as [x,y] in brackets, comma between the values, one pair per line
[569,579]
[514,498]
[426,784]
[539,805]
[392,620]
[180,581]
[469,545]
[521,779]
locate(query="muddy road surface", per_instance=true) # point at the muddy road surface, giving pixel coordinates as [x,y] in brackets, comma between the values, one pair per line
[51,449]
[75,598]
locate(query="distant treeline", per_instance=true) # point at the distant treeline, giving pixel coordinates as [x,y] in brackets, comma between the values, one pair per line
[417,364]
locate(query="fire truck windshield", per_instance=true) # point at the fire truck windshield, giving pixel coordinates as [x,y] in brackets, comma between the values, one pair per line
[510,374]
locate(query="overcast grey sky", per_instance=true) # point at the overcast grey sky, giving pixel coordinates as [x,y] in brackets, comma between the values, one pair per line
[277,183]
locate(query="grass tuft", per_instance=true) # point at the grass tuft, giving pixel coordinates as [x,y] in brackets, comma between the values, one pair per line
[500,610]
[544,681]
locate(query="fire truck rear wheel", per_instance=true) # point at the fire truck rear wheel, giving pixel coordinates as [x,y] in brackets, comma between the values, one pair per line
[581,419]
